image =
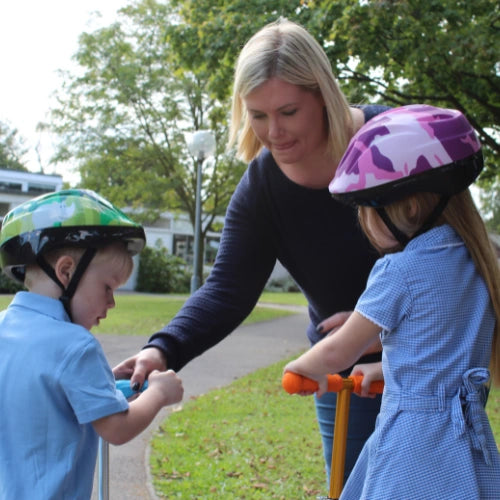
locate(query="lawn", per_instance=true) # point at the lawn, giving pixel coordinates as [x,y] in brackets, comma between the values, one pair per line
[249,440]
[144,314]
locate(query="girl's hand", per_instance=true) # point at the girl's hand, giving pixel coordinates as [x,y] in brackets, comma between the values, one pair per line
[371,372]
[294,367]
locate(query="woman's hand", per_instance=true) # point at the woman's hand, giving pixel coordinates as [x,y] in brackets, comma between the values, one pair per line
[330,325]
[138,367]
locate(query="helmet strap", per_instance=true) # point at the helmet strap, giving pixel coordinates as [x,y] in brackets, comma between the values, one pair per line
[396,232]
[434,215]
[70,290]
[402,237]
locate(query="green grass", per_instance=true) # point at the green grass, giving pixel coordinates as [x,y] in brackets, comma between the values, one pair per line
[5,301]
[288,298]
[137,314]
[493,411]
[250,440]
[144,314]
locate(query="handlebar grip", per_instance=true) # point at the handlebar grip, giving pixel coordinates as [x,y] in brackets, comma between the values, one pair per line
[377,386]
[294,383]
[123,385]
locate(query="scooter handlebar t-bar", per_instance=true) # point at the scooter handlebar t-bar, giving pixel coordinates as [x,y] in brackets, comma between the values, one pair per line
[123,385]
[294,383]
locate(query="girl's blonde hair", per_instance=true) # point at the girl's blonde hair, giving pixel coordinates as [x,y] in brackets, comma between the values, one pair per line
[285,50]
[409,213]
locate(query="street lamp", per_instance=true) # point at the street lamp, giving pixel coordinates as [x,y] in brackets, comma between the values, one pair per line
[201,144]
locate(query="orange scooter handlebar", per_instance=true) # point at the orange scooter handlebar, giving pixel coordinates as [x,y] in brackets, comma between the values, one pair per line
[294,383]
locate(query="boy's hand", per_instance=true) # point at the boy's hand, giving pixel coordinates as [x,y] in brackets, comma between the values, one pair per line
[167,384]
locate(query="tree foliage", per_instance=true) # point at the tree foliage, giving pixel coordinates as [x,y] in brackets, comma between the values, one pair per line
[124,114]
[441,52]
[166,67]
[11,149]
[160,272]
[123,117]
[397,52]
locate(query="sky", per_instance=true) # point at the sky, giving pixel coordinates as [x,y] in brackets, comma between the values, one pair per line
[37,38]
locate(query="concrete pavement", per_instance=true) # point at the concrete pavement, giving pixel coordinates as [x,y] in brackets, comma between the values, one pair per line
[247,349]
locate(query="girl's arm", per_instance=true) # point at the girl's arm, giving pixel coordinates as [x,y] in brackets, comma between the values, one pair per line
[331,324]
[336,352]
[164,388]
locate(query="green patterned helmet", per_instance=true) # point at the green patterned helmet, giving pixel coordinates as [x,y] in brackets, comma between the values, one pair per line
[68,218]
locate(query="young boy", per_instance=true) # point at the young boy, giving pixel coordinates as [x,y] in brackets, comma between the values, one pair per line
[72,249]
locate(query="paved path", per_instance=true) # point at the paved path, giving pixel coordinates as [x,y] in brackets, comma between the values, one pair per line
[247,349]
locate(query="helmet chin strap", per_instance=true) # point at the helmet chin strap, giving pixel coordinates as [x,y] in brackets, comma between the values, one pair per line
[70,290]
[402,238]
[399,235]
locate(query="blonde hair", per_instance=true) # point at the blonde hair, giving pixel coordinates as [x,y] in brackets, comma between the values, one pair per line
[115,252]
[460,213]
[285,50]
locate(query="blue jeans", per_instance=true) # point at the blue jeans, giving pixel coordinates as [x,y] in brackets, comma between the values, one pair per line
[362,415]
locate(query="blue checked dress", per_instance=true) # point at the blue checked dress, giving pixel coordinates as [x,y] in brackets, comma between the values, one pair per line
[432,439]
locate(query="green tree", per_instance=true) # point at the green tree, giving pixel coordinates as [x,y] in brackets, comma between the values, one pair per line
[490,200]
[397,52]
[11,149]
[212,34]
[442,52]
[123,115]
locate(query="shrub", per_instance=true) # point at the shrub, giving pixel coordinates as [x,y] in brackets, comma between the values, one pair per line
[283,284]
[160,272]
[9,286]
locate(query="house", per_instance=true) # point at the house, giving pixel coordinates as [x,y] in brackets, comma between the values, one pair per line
[17,187]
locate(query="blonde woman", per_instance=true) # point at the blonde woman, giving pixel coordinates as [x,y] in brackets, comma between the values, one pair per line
[292,123]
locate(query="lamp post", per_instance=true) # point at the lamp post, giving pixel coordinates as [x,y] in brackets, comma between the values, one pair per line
[201,144]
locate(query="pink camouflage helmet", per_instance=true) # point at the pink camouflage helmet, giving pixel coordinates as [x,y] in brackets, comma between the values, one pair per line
[415,148]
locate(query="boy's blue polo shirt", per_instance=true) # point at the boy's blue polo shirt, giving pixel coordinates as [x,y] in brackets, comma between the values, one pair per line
[55,382]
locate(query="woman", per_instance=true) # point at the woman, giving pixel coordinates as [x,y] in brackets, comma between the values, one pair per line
[293,124]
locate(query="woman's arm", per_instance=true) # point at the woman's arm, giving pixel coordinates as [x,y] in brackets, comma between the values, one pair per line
[244,262]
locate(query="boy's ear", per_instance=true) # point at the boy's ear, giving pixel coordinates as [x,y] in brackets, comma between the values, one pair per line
[64,269]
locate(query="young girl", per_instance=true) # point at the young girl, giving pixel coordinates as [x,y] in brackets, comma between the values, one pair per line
[434,301]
